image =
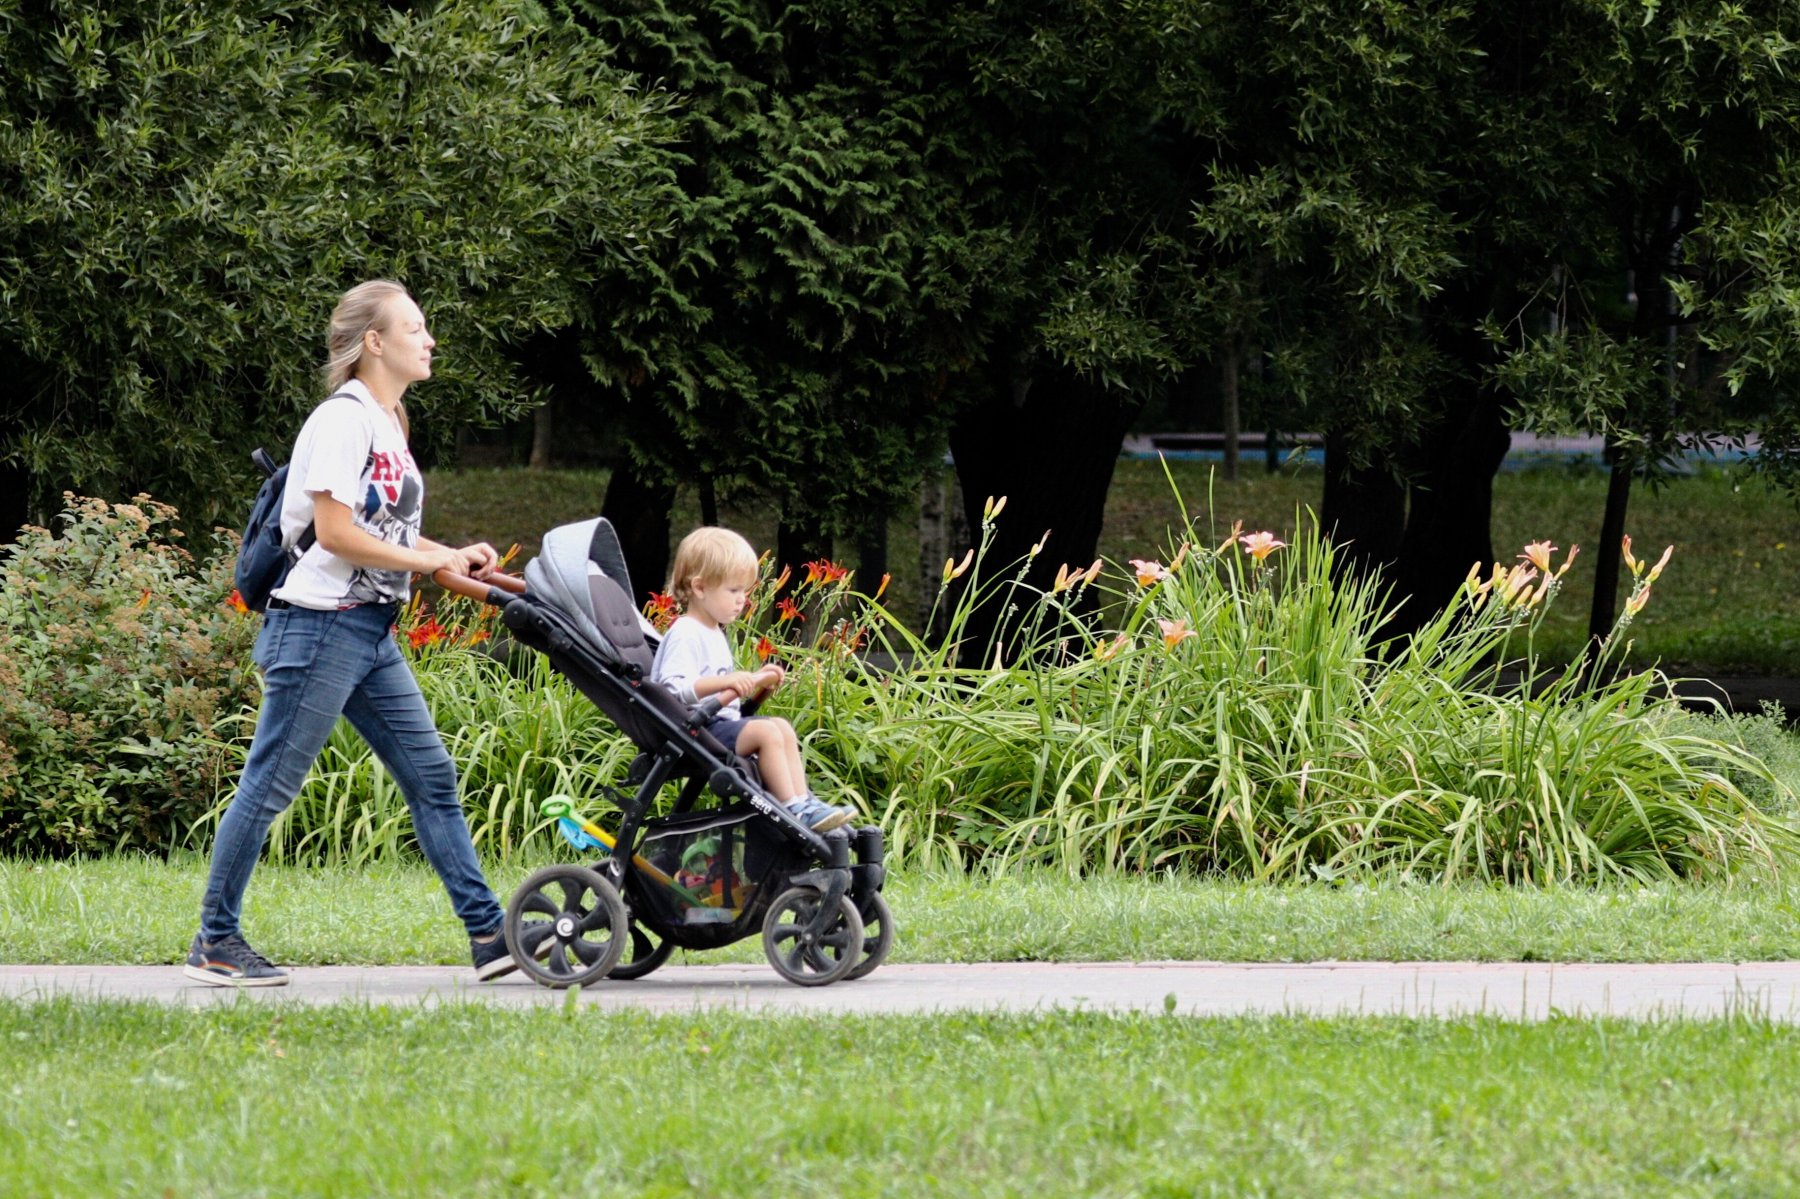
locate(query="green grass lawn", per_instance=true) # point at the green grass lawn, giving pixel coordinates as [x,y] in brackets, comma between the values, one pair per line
[139,910]
[116,1099]
[1729,603]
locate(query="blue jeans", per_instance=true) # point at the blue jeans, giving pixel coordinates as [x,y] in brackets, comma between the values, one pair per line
[316,666]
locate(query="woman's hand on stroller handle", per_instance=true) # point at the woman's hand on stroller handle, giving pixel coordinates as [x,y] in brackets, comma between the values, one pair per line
[479,589]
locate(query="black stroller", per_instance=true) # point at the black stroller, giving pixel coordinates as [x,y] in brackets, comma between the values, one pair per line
[694,877]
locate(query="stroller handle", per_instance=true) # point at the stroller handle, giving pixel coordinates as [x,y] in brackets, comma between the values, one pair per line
[488,591]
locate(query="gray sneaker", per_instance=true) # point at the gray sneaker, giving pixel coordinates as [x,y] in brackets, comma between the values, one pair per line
[230,962]
[818,816]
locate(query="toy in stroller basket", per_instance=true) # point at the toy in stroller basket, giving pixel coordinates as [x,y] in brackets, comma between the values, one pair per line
[692,878]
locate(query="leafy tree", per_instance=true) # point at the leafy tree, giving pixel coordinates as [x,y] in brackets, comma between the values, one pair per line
[184,190]
[793,335]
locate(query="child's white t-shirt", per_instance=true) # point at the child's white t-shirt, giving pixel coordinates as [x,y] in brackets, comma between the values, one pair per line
[690,652]
[351,449]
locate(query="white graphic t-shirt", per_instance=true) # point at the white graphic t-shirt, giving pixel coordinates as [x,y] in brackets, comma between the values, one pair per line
[689,652]
[353,450]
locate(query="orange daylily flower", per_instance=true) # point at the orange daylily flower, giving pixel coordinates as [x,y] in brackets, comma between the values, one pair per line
[428,633]
[1107,650]
[824,572]
[788,610]
[1149,572]
[885,580]
[235,601]
[1174,632]
[765,649]
[1261,545]
[660,610]
[1538,554]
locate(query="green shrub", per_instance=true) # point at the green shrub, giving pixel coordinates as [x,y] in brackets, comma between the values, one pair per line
[1243,719]
[119,653]
[1233,713]
[1764,736]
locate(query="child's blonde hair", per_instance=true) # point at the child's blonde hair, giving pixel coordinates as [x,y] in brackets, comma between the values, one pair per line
[713,556]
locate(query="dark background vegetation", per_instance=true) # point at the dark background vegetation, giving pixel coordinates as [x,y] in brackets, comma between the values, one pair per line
[797,252]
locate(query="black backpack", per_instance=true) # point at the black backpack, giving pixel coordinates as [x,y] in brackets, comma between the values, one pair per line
[262,563]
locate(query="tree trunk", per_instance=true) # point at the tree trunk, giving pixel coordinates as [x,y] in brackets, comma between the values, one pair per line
[639,510]
[934,546]
[1050,449]
[800,539]
[15,501]
[1607,554]
[872,554]
[1228,394]
[1450,510]
[1362,513]
[709,501]
[543,436]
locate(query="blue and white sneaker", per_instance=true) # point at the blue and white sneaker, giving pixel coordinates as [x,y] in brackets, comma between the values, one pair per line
[230,962]
[818,816]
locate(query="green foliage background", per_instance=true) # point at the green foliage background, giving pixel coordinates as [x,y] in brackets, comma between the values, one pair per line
[185,190]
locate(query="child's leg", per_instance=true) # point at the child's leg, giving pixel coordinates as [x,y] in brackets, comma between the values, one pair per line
[777,749]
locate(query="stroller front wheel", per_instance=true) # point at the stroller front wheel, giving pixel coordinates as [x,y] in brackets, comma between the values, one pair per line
[643,954]
[799,954]
[878,938]
[566,926]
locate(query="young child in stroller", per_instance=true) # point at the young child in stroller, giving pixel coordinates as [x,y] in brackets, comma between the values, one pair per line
[714,571]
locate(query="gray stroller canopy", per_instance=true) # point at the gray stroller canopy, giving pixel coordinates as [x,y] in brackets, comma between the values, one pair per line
[559,575]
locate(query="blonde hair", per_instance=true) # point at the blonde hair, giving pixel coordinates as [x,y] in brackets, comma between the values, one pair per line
[362,308]
[713,556]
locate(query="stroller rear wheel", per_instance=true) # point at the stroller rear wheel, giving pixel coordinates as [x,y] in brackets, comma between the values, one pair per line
[800,956]
[878,937]
[566,926]
[643,953]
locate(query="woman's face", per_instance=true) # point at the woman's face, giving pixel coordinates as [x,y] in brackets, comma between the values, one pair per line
[403,344]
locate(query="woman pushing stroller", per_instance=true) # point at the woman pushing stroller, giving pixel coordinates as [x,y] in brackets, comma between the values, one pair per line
[327,644]
[711,580]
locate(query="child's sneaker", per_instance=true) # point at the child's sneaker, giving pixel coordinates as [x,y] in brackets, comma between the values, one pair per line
[230,962]
[818,816]
[492,957]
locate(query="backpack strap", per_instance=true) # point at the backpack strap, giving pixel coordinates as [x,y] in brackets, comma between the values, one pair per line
[310,535]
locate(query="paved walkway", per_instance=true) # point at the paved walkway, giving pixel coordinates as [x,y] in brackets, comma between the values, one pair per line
[1510,989]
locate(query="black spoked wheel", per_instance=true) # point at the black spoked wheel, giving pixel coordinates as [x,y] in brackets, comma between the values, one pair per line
[566,926]
[878,937]
[802,957]
[644,952]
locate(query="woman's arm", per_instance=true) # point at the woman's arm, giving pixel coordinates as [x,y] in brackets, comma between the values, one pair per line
[337,532]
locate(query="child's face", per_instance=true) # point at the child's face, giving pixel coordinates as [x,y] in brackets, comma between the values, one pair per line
[722,602]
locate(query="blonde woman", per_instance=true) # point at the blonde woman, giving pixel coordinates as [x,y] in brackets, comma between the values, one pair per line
[327,646]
